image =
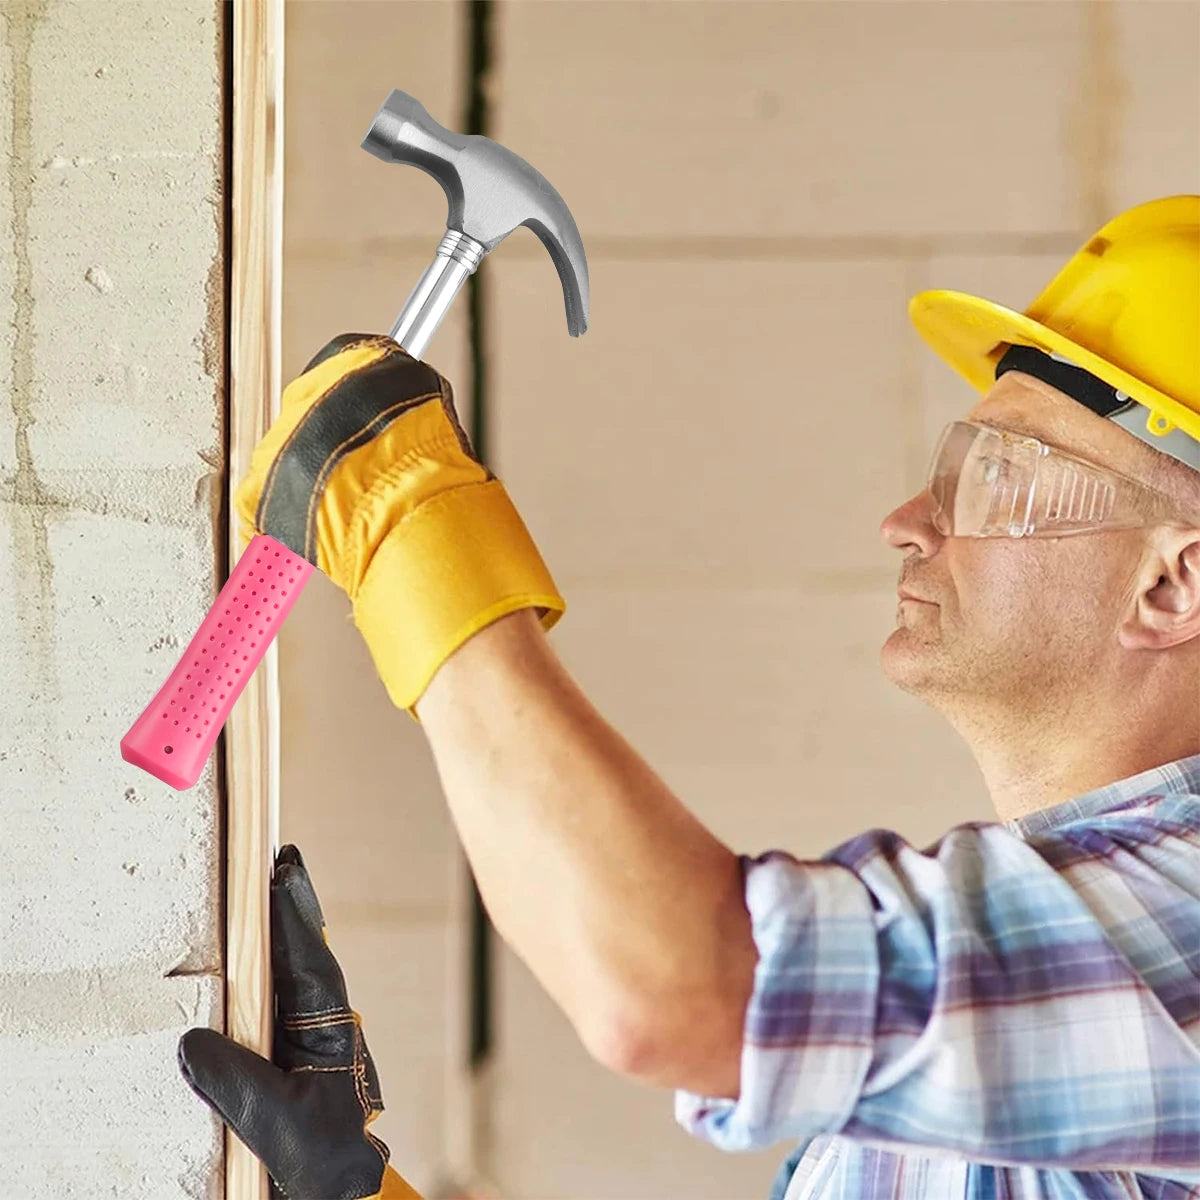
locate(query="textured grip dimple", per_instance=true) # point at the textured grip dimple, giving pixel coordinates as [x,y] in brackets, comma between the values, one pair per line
[174,736]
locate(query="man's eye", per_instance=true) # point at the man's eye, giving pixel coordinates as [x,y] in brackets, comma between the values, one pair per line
[991,468]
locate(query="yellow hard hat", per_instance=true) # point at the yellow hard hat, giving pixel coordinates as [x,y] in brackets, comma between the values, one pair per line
[1126,308]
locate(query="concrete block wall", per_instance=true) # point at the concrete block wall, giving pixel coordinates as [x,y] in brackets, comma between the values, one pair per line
[111,371]
[761,188]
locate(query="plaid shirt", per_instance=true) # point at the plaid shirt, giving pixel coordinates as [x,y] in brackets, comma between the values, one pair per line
[1012,1012]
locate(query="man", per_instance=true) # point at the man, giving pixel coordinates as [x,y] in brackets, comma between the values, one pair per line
[1014,1011]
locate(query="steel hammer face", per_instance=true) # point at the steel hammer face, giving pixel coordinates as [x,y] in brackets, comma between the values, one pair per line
[490,191]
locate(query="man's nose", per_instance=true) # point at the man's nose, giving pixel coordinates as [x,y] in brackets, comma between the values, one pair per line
[912,525]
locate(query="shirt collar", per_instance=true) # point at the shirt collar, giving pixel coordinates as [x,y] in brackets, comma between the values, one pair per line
[1180,776]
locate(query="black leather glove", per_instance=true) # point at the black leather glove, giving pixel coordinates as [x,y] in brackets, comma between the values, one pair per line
[305,1113]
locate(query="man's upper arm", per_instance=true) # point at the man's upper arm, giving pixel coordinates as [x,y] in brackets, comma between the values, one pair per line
[988,997]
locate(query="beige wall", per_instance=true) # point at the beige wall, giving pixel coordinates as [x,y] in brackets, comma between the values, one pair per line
[359,794]
[760,188]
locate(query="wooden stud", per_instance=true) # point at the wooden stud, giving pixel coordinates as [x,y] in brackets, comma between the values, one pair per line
[252,731]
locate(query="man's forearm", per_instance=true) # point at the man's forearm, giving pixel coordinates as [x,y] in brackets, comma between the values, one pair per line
[614,895]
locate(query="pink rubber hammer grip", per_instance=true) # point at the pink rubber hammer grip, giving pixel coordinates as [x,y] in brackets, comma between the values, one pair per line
[174,736]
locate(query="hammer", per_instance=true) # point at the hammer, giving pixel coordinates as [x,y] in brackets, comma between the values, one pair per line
[490,192]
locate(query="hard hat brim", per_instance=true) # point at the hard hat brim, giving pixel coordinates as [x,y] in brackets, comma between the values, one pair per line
[971,333]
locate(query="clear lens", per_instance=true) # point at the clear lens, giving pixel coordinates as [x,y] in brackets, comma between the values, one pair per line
[988,483]
[996,485]
[943,477]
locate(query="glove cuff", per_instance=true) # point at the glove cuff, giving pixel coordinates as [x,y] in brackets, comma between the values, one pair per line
[394,1187]
[460,561]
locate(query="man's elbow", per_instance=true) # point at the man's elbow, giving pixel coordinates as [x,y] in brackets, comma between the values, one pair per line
[701,1056]
[619,1046]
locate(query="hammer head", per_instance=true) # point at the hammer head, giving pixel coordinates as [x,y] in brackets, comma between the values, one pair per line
[489,189]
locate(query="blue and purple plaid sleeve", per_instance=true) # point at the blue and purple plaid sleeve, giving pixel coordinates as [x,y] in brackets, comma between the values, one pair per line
[1015,1001]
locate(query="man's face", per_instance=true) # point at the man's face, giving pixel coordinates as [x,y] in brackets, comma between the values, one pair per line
[1012,625]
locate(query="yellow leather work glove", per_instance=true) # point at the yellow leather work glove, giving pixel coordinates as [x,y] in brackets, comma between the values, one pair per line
[368,474]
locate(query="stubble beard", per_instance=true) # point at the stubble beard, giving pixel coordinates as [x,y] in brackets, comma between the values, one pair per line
[914,657]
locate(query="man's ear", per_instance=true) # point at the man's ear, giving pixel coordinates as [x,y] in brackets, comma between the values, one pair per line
[1165,605]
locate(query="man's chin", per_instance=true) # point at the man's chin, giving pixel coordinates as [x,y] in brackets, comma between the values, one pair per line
[909,662]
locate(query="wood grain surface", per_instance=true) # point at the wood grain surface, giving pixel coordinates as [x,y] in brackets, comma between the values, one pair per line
[252,731]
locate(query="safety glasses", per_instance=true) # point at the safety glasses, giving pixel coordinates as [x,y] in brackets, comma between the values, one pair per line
[988,482]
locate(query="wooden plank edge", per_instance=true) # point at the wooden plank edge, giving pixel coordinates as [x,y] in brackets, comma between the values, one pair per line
[252,732]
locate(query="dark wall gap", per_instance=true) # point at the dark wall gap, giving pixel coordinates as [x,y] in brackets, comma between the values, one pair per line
[477,120]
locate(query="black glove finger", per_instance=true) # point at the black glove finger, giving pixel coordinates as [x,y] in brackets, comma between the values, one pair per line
[314,1024]
[307,977]
[249,1094]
